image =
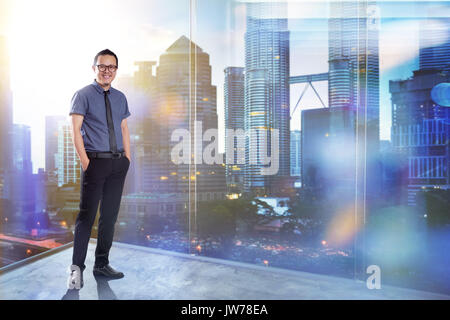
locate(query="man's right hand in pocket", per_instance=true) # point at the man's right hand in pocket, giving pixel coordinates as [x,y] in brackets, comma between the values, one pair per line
[85,164]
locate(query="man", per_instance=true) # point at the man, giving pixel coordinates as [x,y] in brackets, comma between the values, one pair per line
[102,141]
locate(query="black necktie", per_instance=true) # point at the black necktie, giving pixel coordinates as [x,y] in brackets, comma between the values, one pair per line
[109,120]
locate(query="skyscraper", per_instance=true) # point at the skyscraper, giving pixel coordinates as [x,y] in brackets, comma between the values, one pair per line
[266,93]
[67,161]
[5,115]
[354,124]
[143,77]
[315,146]
[420,131]
[51,141]
[234,123]
[420,126]
[20,183]
[295,153]
[328,154]
[434,44]
[354,93]
[354,58]
[140,89]
[185,98]
[22,149]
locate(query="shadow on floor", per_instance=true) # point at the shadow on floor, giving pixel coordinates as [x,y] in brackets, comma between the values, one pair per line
[104,291]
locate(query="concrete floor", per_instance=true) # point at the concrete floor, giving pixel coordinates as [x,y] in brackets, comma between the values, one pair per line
[164,275]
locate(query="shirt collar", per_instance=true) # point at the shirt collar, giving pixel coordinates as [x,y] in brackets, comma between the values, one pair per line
[99,88]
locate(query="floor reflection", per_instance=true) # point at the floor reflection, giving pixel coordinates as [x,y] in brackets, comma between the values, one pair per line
[71,294]
[103,289]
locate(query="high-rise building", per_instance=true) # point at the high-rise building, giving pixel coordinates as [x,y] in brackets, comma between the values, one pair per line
[354,58]
[140,89]
[40,183]
[143,77]
[325,157]
[296,153]
[420,131]
[234,126]
[315,134]
[185,103]
[5,116]
[420,126]
[22,149]
[266,94]
[434,44]
[67,161]
[353,86]
[19,180]
[51,142]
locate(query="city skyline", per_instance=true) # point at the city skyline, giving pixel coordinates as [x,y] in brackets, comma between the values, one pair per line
[395,61]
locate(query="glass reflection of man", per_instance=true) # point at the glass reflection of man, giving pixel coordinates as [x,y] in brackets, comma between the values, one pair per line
[102,141]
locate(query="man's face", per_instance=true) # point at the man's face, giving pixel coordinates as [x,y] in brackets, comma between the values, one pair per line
[104,78]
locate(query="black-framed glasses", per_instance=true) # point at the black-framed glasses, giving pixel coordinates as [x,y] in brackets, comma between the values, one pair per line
[102,68]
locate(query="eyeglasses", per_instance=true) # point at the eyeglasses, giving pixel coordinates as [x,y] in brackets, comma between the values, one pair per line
[102,68]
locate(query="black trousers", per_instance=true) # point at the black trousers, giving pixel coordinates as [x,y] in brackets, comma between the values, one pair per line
[102,182]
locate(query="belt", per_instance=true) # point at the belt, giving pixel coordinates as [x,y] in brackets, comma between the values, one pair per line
[105,155]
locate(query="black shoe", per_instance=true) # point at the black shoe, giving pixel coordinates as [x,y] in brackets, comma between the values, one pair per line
[108,271]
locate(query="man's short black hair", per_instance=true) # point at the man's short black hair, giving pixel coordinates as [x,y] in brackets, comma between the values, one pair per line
[105,52]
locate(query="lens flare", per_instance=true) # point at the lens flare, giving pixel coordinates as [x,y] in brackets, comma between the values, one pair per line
[343,228]
[441,94]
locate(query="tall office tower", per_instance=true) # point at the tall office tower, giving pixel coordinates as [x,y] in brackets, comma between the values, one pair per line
[21,189]
[234,127]
[67,161]
[266,93]
[354,88]
[40,183]
[314,146]
[143,77]
[354,179]
[51,142]
[434,44]
[5,116]
[185,107]
[420,131]
[327,162]
[22,149]
[354,58]
[140,90]
[296,152]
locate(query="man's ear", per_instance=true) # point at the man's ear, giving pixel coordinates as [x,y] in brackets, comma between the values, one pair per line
[93,68]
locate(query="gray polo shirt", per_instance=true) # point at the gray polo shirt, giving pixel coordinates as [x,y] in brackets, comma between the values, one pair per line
[90,102]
